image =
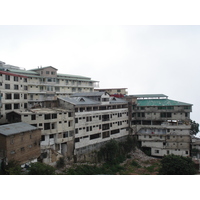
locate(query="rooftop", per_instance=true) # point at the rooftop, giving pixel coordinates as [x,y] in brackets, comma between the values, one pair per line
[160,102]
[88,94]
[149,96]
[15,128]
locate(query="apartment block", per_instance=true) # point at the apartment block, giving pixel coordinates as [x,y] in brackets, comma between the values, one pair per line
[162,125]
[98,118]
[13,93]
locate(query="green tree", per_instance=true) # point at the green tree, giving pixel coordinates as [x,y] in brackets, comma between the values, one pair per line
[194,128]
[12,168]
[39,168]
[177,165]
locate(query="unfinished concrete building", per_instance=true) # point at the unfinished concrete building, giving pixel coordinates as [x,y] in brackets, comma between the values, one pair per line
[57,130]
[98,118]
[162,125]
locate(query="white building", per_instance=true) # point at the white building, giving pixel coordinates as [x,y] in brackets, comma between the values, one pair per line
[98,118]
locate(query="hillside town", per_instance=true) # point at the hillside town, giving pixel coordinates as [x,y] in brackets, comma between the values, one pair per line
[46,115]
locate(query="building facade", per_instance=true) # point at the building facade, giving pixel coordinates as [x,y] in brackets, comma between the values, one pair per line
[19,142]
[162,125]
[98,118]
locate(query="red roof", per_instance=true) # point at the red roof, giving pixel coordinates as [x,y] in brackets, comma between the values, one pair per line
[11,74]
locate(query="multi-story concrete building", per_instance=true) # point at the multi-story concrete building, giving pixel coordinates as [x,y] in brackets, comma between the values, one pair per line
[36,87]
[57,130]
[162,125]
[13,92]
[98,118]
[20,142]
[46,84]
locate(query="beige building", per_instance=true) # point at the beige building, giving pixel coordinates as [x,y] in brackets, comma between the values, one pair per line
[162,125]
[57,130]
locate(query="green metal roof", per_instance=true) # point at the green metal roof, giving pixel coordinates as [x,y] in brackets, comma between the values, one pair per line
[22,71]
[72,76]
[149,95]
[160,102]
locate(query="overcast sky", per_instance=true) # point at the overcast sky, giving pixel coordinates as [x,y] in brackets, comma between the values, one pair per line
[144,59]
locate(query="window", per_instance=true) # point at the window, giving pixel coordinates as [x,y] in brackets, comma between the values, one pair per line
[7,77]
[51,136]
[25,96]
[42,138]
[16,87]
[8,106]
[46,126]
[16,78]
[33,117]
[54,116]
[47,72]
[12,152]
[156,151]
[25,105]
[95,136]
[22,149]
[8,96]
[25,87]
[7,86]
[52,73]
[47,116]
[16,106]
[25,79]
[65,134]
[16,96]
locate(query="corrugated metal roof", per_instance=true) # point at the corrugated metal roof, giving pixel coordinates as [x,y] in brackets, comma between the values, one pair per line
[15,128]
[160,102]
[12,74]
[148,95]
[72,76]
[87,94]
[79,100]
[23,71]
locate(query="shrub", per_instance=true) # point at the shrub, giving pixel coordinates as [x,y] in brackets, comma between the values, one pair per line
[41,169]
[177,165]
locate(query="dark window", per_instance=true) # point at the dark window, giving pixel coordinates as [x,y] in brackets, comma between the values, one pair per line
[33,117]
[16,78]
[25,96]
[8,106]
[51,136]
[46,126]
[16,87]
[42,138]
[25,105]
[7,77]
[47,116]
[16,96]
[16,106]
[7,86]
[54,116]
[95,136]
[8,96]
